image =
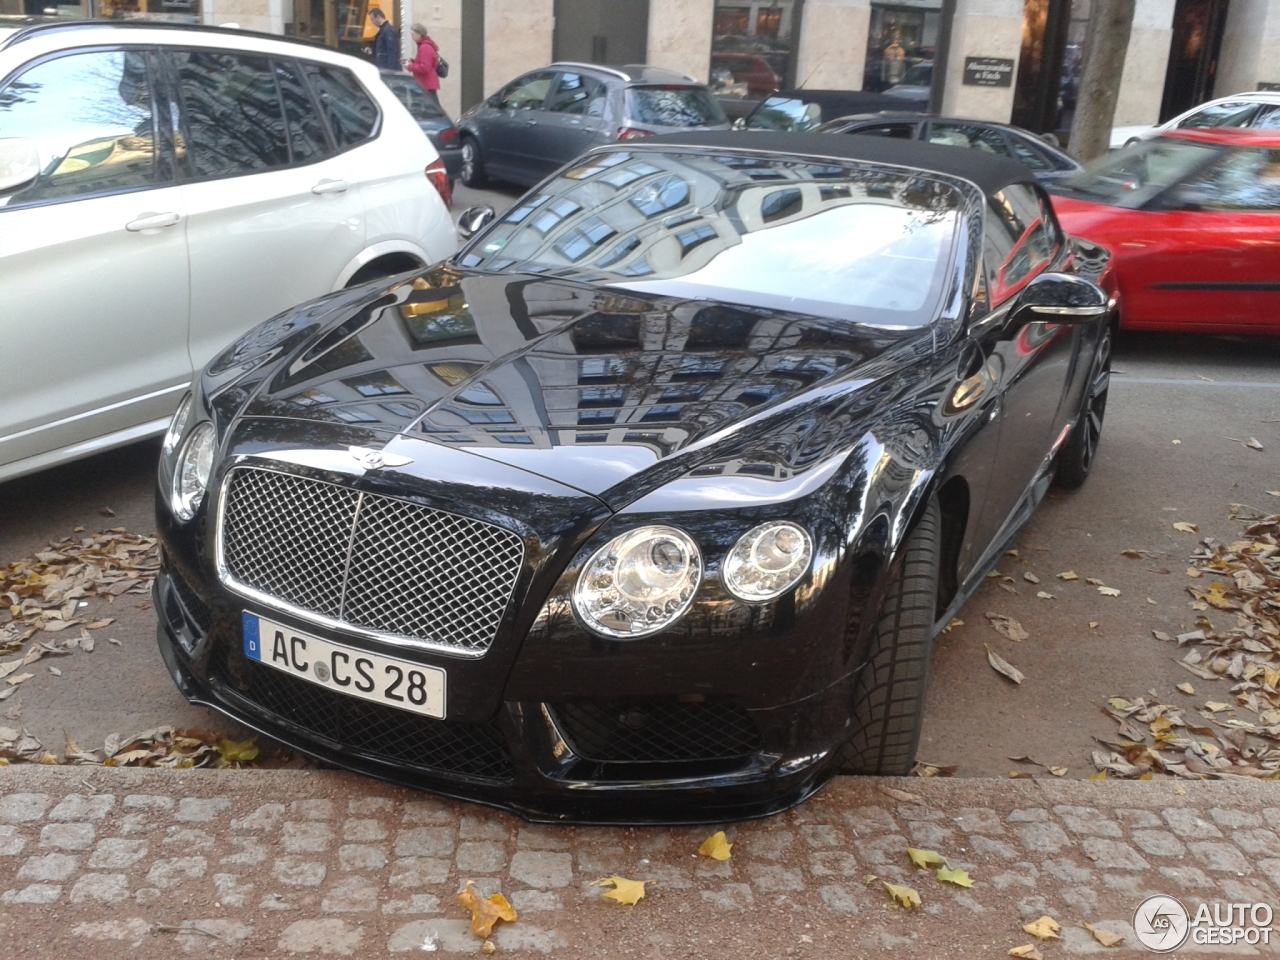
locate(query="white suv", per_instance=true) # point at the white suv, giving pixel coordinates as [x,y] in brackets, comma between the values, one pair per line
[164,189]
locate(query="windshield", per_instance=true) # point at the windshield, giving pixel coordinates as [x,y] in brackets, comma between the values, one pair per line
[674,106]
[921,75]
[787,114]
[834,241]
[1130,177]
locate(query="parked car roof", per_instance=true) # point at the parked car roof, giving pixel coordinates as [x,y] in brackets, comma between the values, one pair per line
[839,103]
[39,26]
[634,72]
[987,172]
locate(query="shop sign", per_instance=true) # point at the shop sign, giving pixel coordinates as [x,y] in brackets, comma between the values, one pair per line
[988,72]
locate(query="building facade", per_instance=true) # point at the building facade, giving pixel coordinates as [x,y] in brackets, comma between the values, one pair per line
[1009,60]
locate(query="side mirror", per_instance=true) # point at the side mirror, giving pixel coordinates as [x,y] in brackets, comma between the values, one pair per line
[494,102]
[1060,298]
[19,164]
[474,219]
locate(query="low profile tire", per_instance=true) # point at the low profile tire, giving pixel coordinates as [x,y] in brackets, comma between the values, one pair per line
[889,692]
[1075,459]
[472,173]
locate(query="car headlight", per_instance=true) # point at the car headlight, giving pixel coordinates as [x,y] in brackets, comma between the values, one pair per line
[767,561]
[638,583]
[191,477]
[177,427]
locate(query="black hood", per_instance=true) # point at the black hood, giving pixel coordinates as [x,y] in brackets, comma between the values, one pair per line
[609,392]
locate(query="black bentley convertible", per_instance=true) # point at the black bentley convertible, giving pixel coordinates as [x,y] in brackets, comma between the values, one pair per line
[649,504]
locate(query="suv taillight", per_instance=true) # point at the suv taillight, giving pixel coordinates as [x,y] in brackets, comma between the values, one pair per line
[448,134]
[439,178]
[633,133]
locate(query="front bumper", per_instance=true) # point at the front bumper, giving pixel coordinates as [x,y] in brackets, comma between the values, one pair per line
[519,760]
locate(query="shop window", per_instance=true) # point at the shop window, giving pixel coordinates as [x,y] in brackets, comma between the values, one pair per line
[752,47]
[900,38]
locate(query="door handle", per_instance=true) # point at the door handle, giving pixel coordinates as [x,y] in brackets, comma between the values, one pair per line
[151,222]
[329,186]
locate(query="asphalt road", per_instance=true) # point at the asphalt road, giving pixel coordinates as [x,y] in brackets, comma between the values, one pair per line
[1197,391]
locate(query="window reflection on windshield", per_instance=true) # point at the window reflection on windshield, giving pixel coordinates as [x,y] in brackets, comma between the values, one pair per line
[1132,176]
[813,238]
[786,114]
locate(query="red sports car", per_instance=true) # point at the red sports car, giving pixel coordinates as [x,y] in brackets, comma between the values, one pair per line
[1193,221]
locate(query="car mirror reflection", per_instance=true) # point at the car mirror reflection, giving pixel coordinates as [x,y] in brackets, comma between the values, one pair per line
[1060,298]
[474,219]
[19,163]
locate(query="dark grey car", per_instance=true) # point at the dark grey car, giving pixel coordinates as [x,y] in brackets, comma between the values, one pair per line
[543,119]
[435,123]
[1046,161]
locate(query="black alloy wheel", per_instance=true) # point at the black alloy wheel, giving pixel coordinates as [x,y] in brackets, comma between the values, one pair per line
[889,691]
[472,173]
[1077,455]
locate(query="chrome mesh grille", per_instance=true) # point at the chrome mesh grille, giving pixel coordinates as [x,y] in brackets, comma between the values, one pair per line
[370,561]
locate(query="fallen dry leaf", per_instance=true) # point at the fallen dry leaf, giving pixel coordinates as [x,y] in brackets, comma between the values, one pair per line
[1131,554]
[1058,771]
[1184,527]
[1003,666]
[626,892]
[906,896]
[1187,688]
[959,877]
[14,681]
[1045,928]
[1093,624]
[232,752]
[1027,951]
[1109,591]
[1030,577]
[716,846]
[1007,627]
[1100,775]
[924,858]
[1045,595]
[1094,582]
[487,912]
[1068,575]
[1104,937]
[900,795]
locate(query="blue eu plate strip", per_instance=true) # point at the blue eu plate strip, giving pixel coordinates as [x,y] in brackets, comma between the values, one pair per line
[252,642]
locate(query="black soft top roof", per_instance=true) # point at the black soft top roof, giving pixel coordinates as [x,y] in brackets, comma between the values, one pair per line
[987,172]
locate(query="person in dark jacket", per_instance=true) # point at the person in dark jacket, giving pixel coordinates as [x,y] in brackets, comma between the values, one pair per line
[426,65]
[386,45]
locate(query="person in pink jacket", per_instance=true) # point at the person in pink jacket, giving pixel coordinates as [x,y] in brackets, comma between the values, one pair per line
[425,65]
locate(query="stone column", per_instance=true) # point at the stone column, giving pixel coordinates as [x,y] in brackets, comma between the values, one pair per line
[443,20]
[1250,47]
[982,28]
[680,36]
[1145,63]
[833,44]
[517,38]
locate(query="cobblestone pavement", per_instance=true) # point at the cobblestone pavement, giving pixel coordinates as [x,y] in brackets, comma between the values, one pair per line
[115,863]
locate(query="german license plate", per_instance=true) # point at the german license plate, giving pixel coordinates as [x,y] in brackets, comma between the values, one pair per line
[342,669]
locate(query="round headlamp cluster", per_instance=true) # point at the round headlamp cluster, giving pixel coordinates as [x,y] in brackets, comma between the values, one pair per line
[768,561]
[639,582]
[191,472]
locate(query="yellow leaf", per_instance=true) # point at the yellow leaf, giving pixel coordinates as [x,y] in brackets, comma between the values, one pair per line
[1045,928]
[1104,937]
[244,751]
[1109,591]
[1161,725]
[1187,688]
[1068,575]
[959,877]
[485,913]
[716,846]
[903,895]
[924,858]
[627,892]
[1119,703]
[1093,624]
[1183,527]
[1100,775]
[1058,771]
[1027,951]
